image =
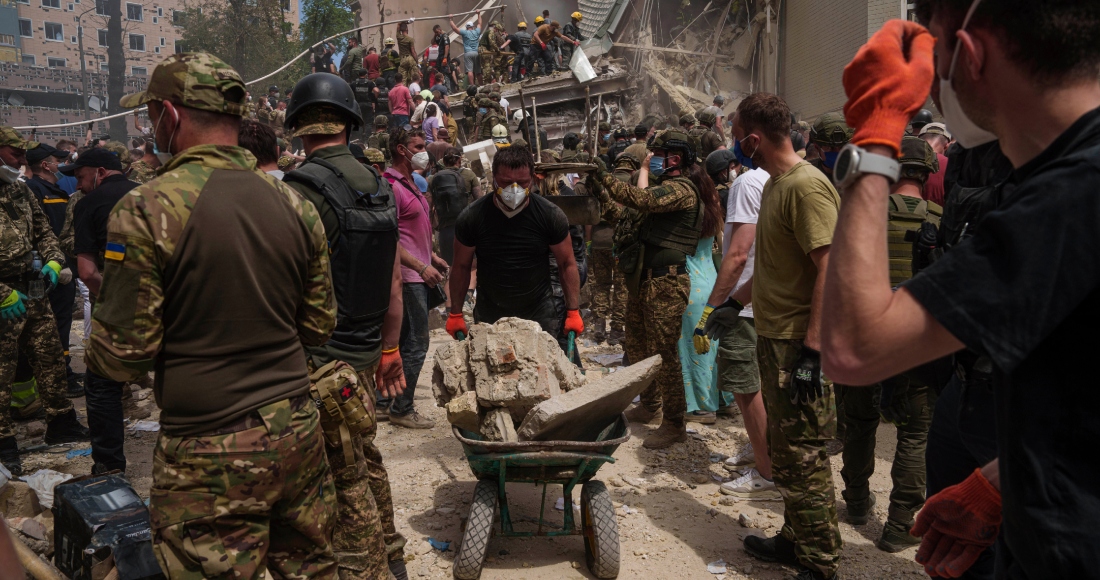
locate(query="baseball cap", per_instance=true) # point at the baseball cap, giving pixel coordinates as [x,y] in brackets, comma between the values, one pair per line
[43,151]
[9,136]
[319,121]
[95,157]
[936,129]
[194,79]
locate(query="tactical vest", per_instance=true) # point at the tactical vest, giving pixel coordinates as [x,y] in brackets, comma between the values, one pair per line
[901,221]
[524,39]
[380,141]
[616,149]
[678,231]
[449,196]
[362,259]
[363,91]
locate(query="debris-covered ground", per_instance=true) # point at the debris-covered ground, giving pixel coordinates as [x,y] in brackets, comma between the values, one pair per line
[673,520]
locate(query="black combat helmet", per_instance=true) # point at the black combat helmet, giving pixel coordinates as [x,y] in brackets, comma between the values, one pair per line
[324,89]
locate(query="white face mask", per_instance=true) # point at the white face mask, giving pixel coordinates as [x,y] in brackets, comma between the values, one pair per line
[512,197]
[420,160]
[965,131]
[8,174]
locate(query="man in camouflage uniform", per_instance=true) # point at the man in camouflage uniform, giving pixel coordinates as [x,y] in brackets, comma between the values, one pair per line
[709,141]
[407,51]
[652,243]
[352,63]
[603,140]
[830,133]
[904,402]
[487,118]
[27,324]
[389,60]
[380,139]
[609,293]
[143,170]
[785,291]
[687,123]
[240,486]
[489,52]
[368,320]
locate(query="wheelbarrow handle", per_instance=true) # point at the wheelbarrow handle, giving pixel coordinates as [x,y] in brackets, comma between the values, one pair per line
[460,335]
[572,345]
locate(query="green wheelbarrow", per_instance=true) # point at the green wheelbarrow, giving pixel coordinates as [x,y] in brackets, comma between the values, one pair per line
[565,463]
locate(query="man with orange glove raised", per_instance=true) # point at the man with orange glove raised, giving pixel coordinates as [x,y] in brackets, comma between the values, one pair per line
[1022,290]
[513,234]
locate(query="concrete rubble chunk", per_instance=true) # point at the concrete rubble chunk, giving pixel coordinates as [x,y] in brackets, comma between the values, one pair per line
[497,426]
[462,412]
[17,499]
[451,373]
[581,414]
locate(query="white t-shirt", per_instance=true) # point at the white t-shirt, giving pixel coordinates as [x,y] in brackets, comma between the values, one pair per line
[504,105]
[743,207]
[414,88]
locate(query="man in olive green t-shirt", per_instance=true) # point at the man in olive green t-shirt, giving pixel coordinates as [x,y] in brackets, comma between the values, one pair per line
[798,212]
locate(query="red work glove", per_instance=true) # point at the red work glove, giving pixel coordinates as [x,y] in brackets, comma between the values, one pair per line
[956,525]
[573,322]
[543,45]
[886,86]
[456,323]
[390,376]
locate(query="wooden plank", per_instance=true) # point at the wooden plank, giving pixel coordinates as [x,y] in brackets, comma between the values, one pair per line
[675,50]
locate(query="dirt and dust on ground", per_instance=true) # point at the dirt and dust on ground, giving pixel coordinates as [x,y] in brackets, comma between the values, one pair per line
[673,521]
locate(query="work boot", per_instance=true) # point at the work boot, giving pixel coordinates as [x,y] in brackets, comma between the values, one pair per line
[859,511]
[774,549]
[9,456]
[412,421]
[896,537]
[666,435]
[397,568]
[65,428]
[639,414]
[75,387]
[617,336]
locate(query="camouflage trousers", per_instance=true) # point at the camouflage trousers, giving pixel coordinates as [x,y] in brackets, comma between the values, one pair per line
[406,68]
[253,503]
[861,418]
[800,466]
[609,295]
[490,63]
[654,320]
[35,337]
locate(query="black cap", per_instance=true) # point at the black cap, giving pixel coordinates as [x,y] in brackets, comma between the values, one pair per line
[43,151]
[95,157]
[641,130]
[357,151]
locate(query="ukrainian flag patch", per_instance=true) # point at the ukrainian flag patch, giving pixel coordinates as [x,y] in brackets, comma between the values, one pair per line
[115,251]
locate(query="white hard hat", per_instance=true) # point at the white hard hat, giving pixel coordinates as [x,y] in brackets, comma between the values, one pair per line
[518,116]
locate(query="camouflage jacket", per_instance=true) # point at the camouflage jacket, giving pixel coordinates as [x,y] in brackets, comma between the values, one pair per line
[707,141]
[667,195]
[141,172]
[146,226]
[67,240]
[24,227]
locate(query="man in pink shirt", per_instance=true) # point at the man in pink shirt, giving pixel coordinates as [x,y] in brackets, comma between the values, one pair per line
[420,269]
[401,103]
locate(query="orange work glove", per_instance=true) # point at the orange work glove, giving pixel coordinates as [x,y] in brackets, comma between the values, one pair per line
[573,322]
[886,85]
[456,323]
[390,376]
[956,525]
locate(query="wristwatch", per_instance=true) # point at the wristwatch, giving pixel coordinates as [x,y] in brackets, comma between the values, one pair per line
[854,161]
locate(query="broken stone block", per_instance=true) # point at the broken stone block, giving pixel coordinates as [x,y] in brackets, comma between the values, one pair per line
[451,372]
[462,412]
[497,426]
[17,499]
[581,414]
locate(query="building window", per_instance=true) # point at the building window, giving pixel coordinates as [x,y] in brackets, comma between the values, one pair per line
[7,39]
[137,42]
[177,17]
[133,11]
[139,70]
[180,47]
[54,62]
[55,32]
[101,7]
[25,28]
[28,59]
[51,3]
[286,5]
[24,2]
[70,7]
[102,37]
[103,67]
[154,20]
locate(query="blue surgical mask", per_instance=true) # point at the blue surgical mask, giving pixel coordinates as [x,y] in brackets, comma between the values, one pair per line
[830,158]
[656,165]
[607,138]
[482,110]
[744,159]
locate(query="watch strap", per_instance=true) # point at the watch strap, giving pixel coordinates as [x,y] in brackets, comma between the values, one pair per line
[879,164]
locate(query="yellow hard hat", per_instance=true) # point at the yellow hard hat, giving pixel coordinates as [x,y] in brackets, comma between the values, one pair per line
[539,20]
[521,25]
[575,16]
[389,41]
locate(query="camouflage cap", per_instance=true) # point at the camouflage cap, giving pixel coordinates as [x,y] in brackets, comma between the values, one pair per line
[687,119]
[121,151]
[519,142]
[197,80]
[381,121]
[285,162]
[936,129]
[485,102]
[483,90]
[319,121]
[706,117]
[11,137]
[917,154]
[831,130]
[374,155]
[495,96]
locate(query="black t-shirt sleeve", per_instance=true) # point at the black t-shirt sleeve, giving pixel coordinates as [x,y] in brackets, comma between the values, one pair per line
[466,226]
[84,227]
[1026,268]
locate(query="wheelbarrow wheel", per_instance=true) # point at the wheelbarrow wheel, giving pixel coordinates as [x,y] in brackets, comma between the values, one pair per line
[479,527]
[601,530]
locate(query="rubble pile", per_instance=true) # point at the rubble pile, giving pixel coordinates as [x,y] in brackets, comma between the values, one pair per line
[511,382]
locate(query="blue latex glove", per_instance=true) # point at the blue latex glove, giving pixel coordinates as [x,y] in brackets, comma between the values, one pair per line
[12,307]
[50,272]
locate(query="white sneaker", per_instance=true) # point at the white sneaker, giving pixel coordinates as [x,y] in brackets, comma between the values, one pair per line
[744,459]
[752,485]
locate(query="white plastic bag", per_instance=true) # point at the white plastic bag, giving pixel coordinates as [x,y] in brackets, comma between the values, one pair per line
[43,481]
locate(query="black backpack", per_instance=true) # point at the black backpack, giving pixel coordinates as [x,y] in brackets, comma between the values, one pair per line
[449,196]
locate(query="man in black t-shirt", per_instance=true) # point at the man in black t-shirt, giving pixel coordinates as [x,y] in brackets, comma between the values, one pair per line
[511,232]
[99,173]
[1023,290]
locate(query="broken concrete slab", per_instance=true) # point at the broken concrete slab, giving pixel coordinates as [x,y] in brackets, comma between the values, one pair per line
[497,426]
[451,372]
[17,499]
[464,412]
[581,414]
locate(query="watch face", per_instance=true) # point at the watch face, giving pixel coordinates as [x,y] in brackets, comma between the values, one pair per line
[843,165]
